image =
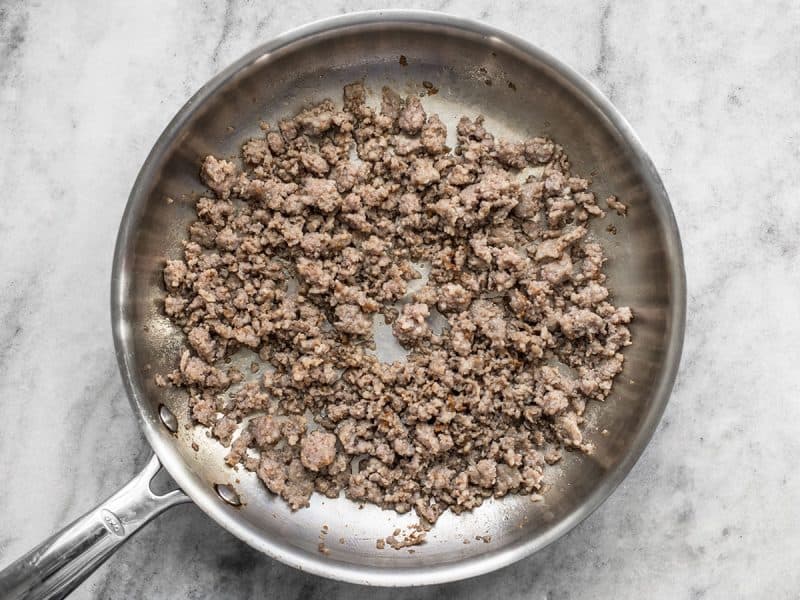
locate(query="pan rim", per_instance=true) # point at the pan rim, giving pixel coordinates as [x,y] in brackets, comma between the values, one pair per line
[394,576]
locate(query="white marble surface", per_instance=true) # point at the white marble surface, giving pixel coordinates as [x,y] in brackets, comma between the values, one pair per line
[712,510]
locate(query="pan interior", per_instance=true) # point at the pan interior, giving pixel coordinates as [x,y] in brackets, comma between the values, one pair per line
[521,94]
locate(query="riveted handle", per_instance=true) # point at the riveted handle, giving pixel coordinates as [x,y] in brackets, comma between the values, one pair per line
[59,564]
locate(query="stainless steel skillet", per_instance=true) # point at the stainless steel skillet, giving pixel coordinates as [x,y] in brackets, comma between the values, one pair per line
[476,69]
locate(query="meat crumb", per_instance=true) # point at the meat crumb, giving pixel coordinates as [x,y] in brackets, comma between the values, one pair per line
[413,536]
[614,204]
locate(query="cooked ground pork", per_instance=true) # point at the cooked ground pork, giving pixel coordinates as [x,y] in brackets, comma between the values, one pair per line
[318,450]
[622,209]
[294,256]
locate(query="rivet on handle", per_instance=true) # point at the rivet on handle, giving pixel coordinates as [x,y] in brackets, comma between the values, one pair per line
[227,493]
[168,418]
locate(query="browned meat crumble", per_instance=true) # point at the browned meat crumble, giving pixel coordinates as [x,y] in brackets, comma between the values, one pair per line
[477,409]
[413,536]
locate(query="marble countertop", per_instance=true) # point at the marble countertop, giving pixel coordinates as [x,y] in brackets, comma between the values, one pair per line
[712,509]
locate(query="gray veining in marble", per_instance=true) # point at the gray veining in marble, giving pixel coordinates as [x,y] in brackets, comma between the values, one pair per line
[712,510]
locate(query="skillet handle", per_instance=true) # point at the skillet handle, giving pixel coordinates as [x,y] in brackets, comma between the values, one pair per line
[58,565]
